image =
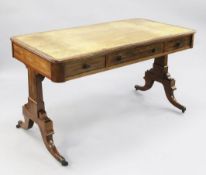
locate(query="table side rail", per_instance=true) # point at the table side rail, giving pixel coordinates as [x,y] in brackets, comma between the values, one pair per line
[32,60]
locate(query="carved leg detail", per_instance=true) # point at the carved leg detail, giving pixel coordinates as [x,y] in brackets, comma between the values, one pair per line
[148,82]
[169,91]
[27,124]
[159,73]
[34,111]
[46,128]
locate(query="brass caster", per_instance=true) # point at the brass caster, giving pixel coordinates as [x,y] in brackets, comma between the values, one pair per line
[183,109]
[19,124]
[64,163]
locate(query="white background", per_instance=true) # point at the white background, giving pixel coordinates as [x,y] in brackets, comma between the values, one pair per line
[104,127]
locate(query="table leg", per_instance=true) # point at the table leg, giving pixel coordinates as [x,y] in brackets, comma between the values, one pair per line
[159,73]
[34,111]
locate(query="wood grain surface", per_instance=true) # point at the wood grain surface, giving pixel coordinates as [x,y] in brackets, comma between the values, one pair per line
[61,45]
[66,54]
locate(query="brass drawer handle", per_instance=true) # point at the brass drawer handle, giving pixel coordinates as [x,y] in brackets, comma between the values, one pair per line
[86,66]
[119,58]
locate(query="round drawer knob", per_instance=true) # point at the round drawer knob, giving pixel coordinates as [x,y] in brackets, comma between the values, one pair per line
[178,44]
[153,50]
[119,58]
[86,66]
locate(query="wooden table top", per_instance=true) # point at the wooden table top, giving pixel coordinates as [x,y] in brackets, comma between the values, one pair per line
[66,44]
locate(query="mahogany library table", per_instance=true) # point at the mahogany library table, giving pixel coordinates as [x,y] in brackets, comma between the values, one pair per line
[62,55]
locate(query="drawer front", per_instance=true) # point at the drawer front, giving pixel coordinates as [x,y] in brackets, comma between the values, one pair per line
[84,65]
[178,43]
[134,54]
